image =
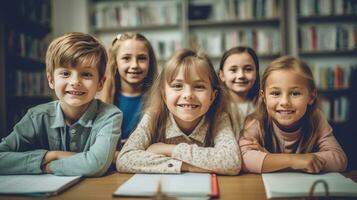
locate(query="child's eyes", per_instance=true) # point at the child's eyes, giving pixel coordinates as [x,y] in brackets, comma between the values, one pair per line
[64,74]
[248,69]
[176,85]
[274,93]
[233,70]
[87,74]
[201,87]
[142,58]
[126,58]
[295,93]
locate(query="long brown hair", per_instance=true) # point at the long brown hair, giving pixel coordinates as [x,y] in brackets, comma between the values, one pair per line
[309,120]
[155,106]
[112,83]
[253,93]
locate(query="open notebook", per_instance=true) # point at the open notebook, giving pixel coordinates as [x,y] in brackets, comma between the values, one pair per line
[36,185]
[291,184]
[173,185]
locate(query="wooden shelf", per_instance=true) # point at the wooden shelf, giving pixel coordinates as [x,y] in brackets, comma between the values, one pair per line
[234,22]
[352,52]
[327,19]
[136,28]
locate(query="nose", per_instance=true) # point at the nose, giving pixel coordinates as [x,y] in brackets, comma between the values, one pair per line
[135,63]
[75,81]
[285,100]
[187,93]
[240,73]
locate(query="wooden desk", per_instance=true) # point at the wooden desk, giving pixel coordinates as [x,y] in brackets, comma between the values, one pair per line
[248,186]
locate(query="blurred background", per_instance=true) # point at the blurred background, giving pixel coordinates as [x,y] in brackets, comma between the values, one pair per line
[321,32]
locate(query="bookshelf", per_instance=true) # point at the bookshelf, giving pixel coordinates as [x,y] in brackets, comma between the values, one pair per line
[326,39]
[271,27]
[192,23]
[160,21]
[257,23]
[24,41]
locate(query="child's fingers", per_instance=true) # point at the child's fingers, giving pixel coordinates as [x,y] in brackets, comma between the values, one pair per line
[320,163]
[256,147]
[245,142]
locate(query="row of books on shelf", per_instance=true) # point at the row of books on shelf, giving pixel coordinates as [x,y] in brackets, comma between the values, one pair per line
[136,13]
[334,76]
[327,7]
[328,37]
[38,11]
[25,45]
[233,9]
[31,84]
[165,48]
[256,9]
[263,41]
[336,109]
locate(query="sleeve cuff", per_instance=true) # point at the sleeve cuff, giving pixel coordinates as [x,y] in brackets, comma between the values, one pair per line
[174,166]
[35,161]
[254,161]
[57,167]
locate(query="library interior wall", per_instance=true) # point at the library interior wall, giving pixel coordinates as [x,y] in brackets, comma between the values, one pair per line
[69,16]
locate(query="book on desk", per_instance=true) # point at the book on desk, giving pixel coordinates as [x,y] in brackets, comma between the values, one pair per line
[294,184]
[36,185]
[172,185]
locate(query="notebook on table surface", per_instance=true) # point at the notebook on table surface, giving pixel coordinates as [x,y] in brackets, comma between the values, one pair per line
[173,185]
[293,184]
[36,185]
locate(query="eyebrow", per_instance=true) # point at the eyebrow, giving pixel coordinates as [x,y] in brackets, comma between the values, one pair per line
[195,81]
[245,65]
[296,87]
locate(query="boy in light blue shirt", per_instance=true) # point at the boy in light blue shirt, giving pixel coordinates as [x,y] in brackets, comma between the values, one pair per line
[75,135]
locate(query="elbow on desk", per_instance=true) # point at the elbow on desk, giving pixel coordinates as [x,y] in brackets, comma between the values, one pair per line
[95,169]
[232,168]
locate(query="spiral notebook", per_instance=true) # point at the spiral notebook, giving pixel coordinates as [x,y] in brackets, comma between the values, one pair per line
[172,185]
[291,184]
[36,185]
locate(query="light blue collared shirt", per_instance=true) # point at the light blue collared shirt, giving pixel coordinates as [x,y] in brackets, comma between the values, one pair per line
[94,136]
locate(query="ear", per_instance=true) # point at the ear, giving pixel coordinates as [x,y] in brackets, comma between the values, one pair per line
[221,75]
[50,80]
[101,84]
[261,92]
[214,95]
[313,96]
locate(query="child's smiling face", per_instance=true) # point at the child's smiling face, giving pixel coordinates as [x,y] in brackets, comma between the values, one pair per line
[189,100]
[75,87]
[287,97]
[133,62]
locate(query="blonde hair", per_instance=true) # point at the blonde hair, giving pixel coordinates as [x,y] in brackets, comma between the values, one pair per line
[156,108]
[74,49]
[308,139]
[112,83]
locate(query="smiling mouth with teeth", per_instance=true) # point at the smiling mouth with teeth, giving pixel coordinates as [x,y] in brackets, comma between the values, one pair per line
[75,93]
[187,105]
[285,112]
